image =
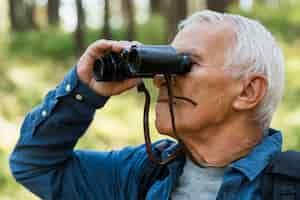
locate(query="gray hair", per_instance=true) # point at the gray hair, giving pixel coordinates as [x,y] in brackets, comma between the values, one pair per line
[254,51]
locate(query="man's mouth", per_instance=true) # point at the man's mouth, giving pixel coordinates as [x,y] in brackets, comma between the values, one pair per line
[165,100]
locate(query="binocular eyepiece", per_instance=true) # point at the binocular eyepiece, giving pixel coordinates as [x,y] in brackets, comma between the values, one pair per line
[143,61]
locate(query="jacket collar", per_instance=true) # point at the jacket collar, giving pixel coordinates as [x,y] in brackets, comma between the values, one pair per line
[250,166]
[256,161]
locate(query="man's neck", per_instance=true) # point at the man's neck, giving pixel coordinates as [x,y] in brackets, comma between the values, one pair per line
[219,146]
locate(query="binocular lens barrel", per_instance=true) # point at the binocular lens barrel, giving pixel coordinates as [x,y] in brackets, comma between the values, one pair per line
[141,61]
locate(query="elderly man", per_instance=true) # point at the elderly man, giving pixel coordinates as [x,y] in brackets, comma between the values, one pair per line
[236,82]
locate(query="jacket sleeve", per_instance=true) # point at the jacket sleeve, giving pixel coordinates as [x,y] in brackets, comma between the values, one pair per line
[44,160]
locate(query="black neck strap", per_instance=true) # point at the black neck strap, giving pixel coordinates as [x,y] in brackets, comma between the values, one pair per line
[142,88]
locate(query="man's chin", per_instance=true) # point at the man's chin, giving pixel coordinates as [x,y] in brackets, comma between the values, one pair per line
[163,120]
[164,128]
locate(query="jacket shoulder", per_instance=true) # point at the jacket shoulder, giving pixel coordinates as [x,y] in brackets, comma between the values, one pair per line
[286,164]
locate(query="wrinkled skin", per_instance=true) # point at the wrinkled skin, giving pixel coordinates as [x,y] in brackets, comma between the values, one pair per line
[208,84]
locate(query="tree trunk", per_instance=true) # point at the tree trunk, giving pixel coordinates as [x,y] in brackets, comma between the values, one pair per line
[219,5]
[155,6]
[176,11]
[79,32]
[22,15]
[13,15]
[107,34]
[53,12]
[128,13]
[30,14]
[17,15]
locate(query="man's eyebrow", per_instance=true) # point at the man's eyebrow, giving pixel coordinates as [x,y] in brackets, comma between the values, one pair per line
[196,56]
[194,52]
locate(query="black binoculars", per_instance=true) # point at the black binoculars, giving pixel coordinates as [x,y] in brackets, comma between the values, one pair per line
[144,61]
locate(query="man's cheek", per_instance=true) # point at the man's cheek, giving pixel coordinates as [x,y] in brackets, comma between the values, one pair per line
[161,112]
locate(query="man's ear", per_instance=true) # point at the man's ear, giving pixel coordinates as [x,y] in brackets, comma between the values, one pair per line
[253,91]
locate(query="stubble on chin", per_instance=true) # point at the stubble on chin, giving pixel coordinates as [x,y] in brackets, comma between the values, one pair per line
[163,120]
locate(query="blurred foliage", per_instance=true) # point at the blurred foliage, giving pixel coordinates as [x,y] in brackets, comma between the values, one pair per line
[32,63]
[283,20]
[55,44]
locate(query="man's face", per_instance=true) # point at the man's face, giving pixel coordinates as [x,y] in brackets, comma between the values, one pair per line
[209,85]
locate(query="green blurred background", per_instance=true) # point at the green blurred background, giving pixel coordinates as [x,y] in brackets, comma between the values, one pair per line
[41,40]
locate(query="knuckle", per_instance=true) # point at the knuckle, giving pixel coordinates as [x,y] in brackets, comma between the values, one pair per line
[124,42]
[101,41]
[136,42]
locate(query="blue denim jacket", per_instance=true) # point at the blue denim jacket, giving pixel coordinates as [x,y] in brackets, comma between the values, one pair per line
[45,162]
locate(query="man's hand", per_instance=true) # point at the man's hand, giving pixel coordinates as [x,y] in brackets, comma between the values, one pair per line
[85,67]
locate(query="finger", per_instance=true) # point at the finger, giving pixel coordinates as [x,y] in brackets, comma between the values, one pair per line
[100,47]
[130,83]
[118,46]
[158,80]
[125,43]
[137,43]
[101,44]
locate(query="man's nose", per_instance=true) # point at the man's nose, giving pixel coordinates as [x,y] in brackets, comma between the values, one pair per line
[159,80]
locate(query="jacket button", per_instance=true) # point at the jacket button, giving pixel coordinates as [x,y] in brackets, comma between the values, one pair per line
[68,88]
[44,113]
[79,97]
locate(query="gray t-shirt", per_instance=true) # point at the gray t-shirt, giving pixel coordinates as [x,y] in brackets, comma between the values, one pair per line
[198,183]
